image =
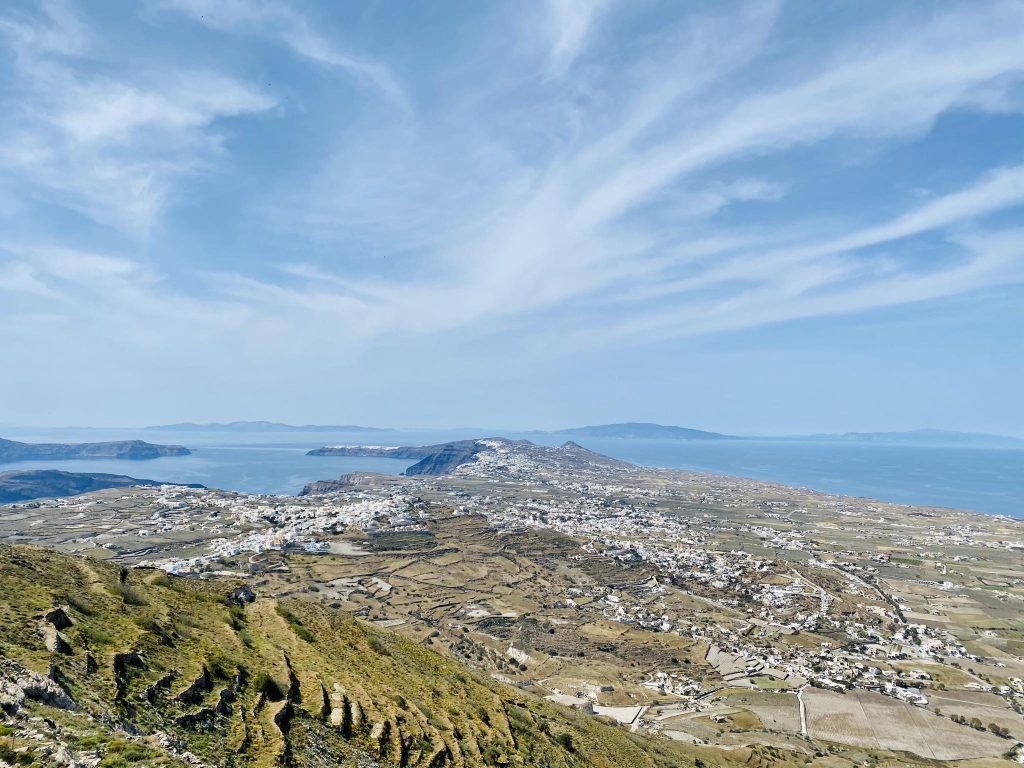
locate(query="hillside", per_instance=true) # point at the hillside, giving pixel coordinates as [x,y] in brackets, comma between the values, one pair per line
[50,483]
[445,458]
[137,667]
[12,450]
[684,606]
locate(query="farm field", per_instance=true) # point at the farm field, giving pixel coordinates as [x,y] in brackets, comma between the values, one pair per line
[866,719]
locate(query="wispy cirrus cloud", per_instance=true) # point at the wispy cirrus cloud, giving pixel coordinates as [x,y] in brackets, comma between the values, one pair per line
[109,146]
[278,21]
[578,225]
[569,223]
[559,186]
[570,23]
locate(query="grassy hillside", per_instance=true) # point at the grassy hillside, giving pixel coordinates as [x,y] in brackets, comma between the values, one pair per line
[167,671]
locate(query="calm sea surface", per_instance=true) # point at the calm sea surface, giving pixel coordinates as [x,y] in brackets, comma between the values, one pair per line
[983,479]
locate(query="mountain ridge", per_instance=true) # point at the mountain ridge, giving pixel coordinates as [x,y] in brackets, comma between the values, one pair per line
[260,426]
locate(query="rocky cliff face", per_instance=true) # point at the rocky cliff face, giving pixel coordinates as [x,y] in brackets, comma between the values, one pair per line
[431,460]
[412,452]
[11,450]
[343,483]
[447,457]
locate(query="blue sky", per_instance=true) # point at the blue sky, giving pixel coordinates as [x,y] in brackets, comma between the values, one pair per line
[757,217]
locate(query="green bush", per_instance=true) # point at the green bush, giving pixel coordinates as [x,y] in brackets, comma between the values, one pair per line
[130,595]
[80,604]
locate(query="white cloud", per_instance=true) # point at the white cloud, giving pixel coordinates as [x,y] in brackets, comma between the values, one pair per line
[60,32]
[570,23]
[108,146]
[102,112]
[824,287]
[890,87]
[275,20]
[565,234]
[1001,188]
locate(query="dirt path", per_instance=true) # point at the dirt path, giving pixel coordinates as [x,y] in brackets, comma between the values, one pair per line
[803,711]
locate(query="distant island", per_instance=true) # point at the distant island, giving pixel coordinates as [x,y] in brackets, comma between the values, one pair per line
[262,426]
[646,430]
[642,430]
[136,450]
[51,483]
[919,437]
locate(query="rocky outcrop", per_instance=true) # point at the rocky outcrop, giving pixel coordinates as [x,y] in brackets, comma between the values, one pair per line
[124,664]
[242,595]
[54,641]
[58,617]
[197,689]
[18,683]
[201,719]
[158,686]
[135,450]
[50,483]
[351,481]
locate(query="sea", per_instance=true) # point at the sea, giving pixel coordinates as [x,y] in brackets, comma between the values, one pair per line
[989,480]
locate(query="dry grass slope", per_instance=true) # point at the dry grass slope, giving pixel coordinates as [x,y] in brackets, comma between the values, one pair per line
[164,670]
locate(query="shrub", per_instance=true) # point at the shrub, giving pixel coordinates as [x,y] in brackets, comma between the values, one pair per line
[268,686]
[80,604]
[130,595]
[119,753]
[378,645]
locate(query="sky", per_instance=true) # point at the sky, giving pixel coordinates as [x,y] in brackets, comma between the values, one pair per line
[756,218]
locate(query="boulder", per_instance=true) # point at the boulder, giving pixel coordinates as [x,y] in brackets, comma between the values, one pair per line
[242,595]
[59,617]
